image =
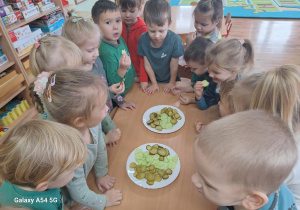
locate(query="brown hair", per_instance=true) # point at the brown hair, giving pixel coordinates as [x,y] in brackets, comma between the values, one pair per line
[73,95]
[54,53]
[157,12]
[39,151]
[231,54]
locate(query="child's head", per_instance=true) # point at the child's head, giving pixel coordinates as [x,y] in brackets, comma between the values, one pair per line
[208,15]
[130,10]
[157,16]
[41,155]
[228,57]
[52,53]
[106,14]
[72,97]
[194,55]
[242,158]
[225,103]
[278,93]
[86,35]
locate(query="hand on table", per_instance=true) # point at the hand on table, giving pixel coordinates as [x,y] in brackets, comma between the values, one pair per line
[185,100]
[198,89]
[127,105]
[105,183]
[112,137]
[113,197]
[117,88]
[176,90]
[144,86]
[152,89]
[168,87]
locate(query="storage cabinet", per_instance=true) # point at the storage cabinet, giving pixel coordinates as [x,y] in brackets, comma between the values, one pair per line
[18,76]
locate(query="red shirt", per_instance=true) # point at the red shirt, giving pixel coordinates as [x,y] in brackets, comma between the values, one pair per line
[131,39]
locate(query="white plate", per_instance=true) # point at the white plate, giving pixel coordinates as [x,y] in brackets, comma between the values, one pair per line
[176,127]
[156,185]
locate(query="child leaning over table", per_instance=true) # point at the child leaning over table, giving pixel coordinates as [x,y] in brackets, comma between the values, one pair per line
[132,28]
[235,173]
[160,47]
[113,51]
[194,56]
[36,160]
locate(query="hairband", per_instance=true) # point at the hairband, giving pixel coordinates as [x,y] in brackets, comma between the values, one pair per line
[80,18]
[41,83]
[37,43]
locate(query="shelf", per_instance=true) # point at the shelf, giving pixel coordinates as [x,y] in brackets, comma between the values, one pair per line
[6,65]
[28,20]
[31,78]
[25,55]
[14,94]
[28,114]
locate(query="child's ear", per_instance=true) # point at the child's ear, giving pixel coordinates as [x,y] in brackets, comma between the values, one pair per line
[78,122]
[217,21]
[255,200]
[42,186]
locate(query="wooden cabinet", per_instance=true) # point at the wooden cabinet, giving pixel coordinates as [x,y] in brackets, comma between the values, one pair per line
[17,86]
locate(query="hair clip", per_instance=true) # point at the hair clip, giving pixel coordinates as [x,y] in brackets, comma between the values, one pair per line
[52,83]
[76,19]
[37,43]
[242,41]
[41,83]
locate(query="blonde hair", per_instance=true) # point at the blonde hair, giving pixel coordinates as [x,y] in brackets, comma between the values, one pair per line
[241,94]
[225,88]
[279,94]
[78,30]
[39,151]
[255,150]
[231,54]
[54,53]
[73,95]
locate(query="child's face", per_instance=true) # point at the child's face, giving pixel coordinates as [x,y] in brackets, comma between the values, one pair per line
[219,75]
[61,181]
[203,23]
[157,33]
[197,68]
[211,182]
[99,111]
[224,106]
[129,15]
[90,51]
[110,23]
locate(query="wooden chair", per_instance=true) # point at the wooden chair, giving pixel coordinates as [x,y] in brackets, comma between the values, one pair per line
[228,25]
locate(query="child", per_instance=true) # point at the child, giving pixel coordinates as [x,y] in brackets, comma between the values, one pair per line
[160,47]
[194,56]
[278,93]
[37,158]
[86,35]
[236,165]
[132,28]
[78,99]
[226,60]
[208,16]
[52,53]
[113,50]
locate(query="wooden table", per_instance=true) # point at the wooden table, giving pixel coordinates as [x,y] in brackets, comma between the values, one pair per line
[181,194]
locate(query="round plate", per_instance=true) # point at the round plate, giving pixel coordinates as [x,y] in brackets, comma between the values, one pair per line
[176,127]
[156,185]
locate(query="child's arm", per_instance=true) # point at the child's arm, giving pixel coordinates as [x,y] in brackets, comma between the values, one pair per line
[143,75]
[108,124]
[173,72]
[154,86]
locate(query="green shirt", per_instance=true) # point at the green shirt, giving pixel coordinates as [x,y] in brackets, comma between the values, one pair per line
[13,196]
[110,55]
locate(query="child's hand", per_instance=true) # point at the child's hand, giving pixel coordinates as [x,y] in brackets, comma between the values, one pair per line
[112,137]
[176,90]
[152,89]
[127,105]
[198,125]
[117,88]
[113,197]
[144,86]
[185,100]
[136,79]
[190,37]
[107,182]
[198,89]
[168,87]
[125,62]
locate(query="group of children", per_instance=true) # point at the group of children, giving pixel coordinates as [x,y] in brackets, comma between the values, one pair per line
[242,160]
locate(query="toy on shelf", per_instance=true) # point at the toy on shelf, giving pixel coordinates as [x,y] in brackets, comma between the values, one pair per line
[3,58]
[2,131]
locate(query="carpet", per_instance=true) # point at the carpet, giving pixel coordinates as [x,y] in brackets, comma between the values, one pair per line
[254,8]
